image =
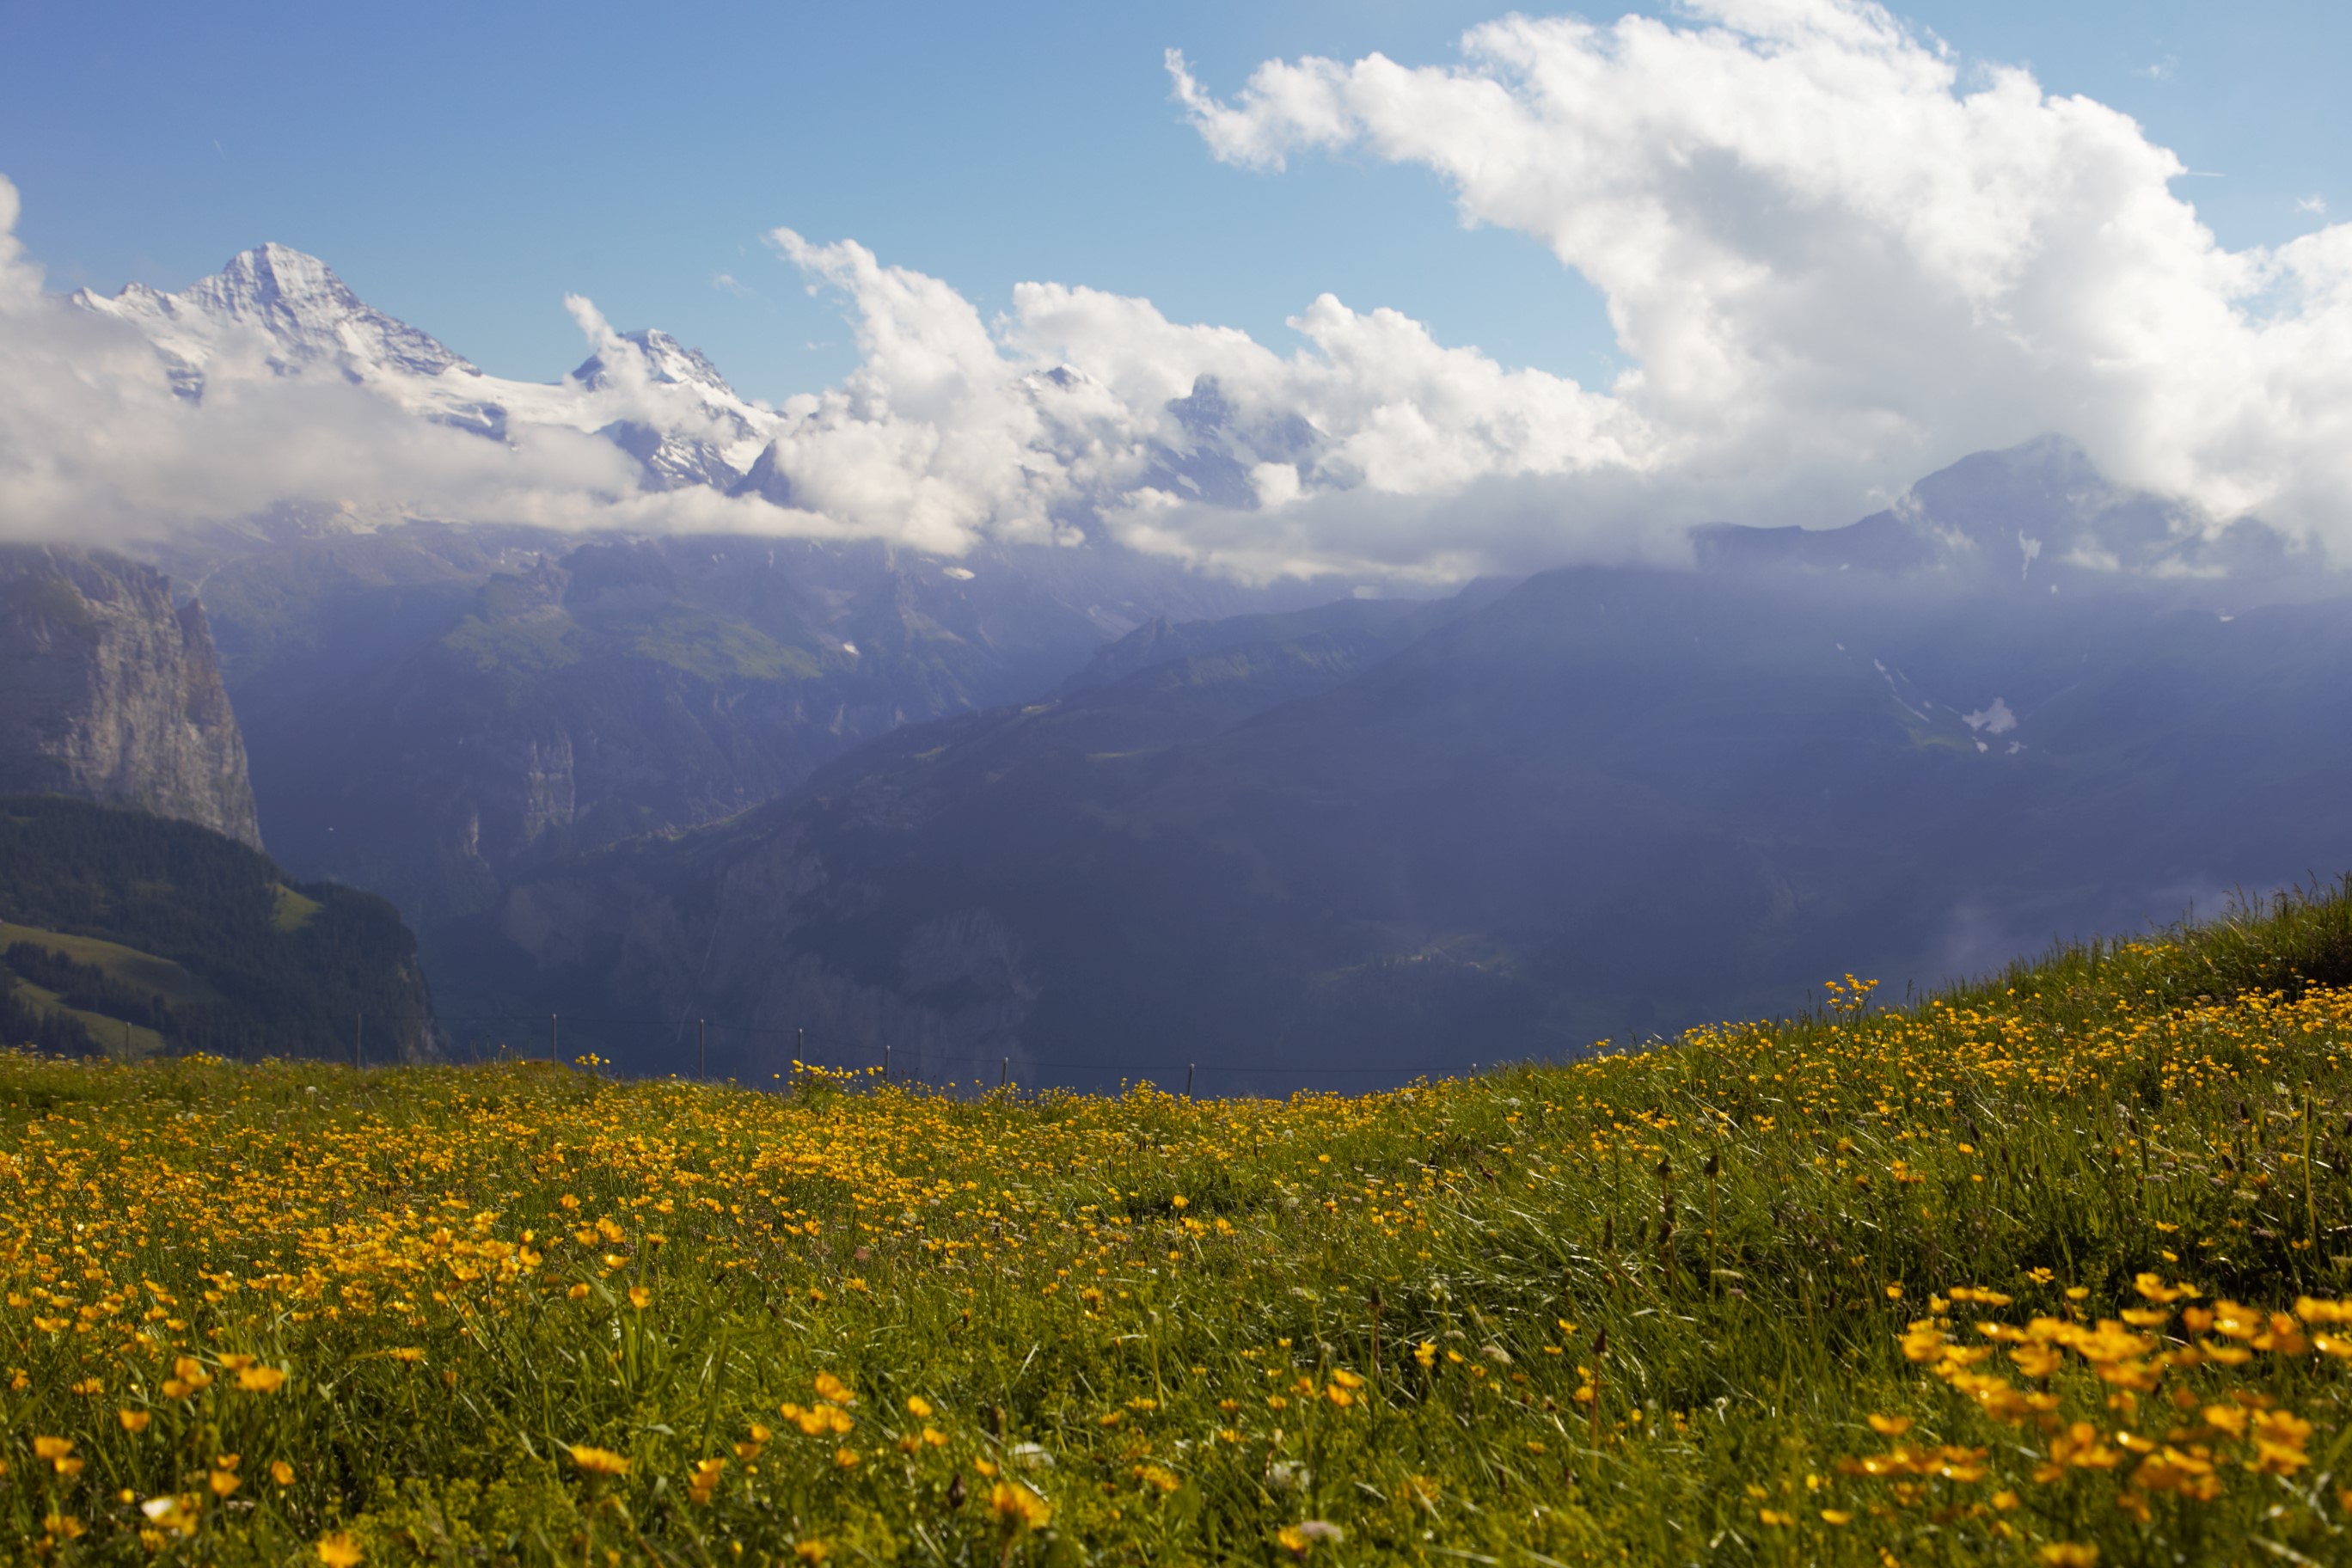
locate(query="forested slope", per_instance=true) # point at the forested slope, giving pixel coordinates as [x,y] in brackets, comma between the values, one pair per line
[122,931]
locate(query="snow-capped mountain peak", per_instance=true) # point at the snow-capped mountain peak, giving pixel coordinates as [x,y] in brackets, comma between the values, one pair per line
[280,308]
[667,361]
[305,315]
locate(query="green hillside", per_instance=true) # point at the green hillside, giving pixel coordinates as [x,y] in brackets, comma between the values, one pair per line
[126,934]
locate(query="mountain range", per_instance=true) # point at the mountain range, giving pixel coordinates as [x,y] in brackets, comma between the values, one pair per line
[292,314]
[1071,804]
[275,310]
[1604,803]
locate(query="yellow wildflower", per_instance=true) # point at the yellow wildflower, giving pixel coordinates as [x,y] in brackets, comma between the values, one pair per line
[1016,1503]
[599,1461]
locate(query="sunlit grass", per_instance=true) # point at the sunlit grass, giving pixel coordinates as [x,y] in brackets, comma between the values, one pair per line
[2036,1271]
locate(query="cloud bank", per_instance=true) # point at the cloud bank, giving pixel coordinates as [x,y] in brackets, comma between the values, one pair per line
[1836,263]
[1834,258]
[1084,410]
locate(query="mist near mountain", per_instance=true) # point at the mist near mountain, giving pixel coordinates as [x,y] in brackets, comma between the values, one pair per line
[1603,803]
[429,707]
[1808,312]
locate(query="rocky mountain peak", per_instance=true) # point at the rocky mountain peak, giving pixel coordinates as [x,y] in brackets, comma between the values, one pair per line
[303,313]
[276,310]
[667,361]
[2034,519]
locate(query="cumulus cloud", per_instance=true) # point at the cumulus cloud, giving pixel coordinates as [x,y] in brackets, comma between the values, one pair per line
[1837,259]
[1082,410]
[1834,257]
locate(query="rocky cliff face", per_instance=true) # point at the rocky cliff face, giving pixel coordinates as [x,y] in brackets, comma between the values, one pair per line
[109,692]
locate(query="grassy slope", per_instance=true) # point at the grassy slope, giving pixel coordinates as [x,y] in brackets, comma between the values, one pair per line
[158,977]
[247,964]
[1145,1329]
[293,911]
[113,1036]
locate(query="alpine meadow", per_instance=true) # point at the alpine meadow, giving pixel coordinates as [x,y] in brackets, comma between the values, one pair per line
[2048,1269]
[1076,785]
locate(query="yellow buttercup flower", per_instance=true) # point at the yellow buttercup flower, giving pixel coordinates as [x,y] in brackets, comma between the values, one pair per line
[598,1461]
[1024,1509]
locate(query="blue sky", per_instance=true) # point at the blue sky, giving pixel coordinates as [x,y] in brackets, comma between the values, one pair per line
[465,166]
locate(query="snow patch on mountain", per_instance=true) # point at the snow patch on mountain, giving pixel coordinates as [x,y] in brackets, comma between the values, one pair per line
[1994,718]
[290,305]
[279,311]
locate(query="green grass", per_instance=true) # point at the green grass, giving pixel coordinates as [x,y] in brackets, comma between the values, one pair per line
[719,650]
[861,1324]
[294,910]
[515,647]
[158,976]
[121,1041]
[143,972]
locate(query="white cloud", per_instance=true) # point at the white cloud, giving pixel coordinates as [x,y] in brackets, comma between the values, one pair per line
[1068,412]
[1835,258]
[1836,265]
[20,279]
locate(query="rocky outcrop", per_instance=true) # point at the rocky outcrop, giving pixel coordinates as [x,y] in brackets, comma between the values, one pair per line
[110,692]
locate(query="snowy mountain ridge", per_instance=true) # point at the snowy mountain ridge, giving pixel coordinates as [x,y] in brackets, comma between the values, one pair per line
[276,310]
[1059,442]
[292,301]
[1046,452]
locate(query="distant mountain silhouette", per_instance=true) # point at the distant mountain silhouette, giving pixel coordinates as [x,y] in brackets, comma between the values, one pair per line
[1601,803]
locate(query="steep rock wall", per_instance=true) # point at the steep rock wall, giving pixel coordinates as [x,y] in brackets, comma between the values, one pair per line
[110,692]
